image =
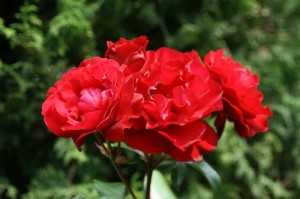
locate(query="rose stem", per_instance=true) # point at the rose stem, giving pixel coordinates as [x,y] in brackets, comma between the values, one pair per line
[112,159]
[162,157]
[149,175]
[118,151]
[101,144]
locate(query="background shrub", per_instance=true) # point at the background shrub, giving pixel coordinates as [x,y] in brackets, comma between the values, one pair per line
[41,39]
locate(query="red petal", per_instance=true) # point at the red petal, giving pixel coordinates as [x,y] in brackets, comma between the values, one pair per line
[192,153]
[234,112]
[184,136]
[148,141]
[79,139]
[125,97]
[209,140]
[116,132]
[220,122]
[243,130]
[55,126]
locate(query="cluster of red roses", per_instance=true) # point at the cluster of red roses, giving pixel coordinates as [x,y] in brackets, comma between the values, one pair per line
[156,100]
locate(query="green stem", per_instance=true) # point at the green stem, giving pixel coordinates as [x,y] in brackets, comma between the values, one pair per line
[149,176]
[99,140]
[162,157]
[112,160]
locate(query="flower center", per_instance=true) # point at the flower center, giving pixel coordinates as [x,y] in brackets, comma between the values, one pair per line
[90,99]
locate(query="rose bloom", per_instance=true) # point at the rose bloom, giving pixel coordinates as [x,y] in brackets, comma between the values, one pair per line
[129,52]
[93,97]
[178,94]
[241,99]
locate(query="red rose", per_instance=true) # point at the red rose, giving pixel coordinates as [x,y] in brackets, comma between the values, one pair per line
[178,94]
[93,97]
[241,99]
[129,52]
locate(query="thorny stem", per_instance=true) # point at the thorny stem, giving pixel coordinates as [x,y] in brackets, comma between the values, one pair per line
[112,159]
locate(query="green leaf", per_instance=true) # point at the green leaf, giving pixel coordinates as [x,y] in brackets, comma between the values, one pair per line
[79,196]
[178,174]
[210,173]
[159,187]
[114,190]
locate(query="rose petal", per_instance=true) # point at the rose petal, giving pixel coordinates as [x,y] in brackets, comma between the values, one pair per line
[148,141]
[184,136]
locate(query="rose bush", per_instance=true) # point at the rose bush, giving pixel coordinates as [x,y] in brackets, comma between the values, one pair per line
[241,99]
[94,97]
[178,93]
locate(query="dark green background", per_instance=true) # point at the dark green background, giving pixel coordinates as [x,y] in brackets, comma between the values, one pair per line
[41,39]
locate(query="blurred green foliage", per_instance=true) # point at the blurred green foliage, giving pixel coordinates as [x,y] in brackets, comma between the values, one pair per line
[40,40]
